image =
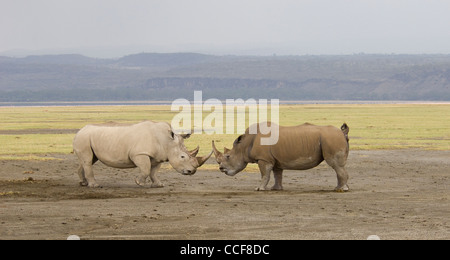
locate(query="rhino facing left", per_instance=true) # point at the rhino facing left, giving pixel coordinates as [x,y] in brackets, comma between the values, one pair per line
[145,145]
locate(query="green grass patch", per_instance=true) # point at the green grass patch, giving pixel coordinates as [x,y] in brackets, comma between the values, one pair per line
[372,127]
[36,144]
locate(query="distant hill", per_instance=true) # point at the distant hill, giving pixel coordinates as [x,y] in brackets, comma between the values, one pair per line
[150,76]
[165,60]
[67,59]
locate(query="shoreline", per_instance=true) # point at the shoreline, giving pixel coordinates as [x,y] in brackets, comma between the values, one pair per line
[168,103]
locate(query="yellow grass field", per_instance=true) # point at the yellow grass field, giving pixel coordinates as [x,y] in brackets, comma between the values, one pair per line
[37,133]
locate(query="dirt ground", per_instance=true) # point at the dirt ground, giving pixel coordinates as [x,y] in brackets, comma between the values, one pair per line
[402,194]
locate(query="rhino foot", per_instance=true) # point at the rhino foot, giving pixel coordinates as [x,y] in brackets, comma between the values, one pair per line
[94,185]
[261,189]
[157,185]
[342,189]
[139,182]
[84,183]
[277,188]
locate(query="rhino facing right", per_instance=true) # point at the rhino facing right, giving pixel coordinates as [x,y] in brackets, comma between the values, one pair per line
[145,145]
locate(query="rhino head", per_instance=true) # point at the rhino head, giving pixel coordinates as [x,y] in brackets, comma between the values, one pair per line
[231,162]
[182,160]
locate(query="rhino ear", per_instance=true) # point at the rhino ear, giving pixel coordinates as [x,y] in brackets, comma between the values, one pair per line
[186,136]
[172,134]
[238,140]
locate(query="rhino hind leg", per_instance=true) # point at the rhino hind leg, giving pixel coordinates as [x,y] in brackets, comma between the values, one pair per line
[89,173]
[342,177]
[85,171]
[83,180]
[338,164]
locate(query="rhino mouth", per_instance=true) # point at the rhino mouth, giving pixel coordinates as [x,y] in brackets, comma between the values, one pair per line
[224,170]
[188,172]
[230,173]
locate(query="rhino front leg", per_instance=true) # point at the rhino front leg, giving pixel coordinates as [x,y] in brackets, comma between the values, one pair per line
[266,169]
[156,183]
[144,165]
[278,174]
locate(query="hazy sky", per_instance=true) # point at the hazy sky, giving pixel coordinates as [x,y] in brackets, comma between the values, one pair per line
[227,26]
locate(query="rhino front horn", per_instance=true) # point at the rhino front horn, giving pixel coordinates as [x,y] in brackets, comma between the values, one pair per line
[202,160]
[216,152]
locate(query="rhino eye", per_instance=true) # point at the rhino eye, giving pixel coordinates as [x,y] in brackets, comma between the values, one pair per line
[182,157]
[227,157]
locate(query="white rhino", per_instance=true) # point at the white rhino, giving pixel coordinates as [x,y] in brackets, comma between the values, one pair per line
[145,145]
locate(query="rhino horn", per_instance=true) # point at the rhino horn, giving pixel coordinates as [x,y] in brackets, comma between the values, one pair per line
[194,152]
[216,152]
[202,160]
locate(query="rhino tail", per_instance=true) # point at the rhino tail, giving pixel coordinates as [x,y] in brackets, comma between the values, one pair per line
[345,129]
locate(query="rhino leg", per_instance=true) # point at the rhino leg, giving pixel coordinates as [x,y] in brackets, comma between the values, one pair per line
[266,169]
[144,165]
[143,162]
[85,171]
[83,181]
[89,173]
[342,177]
[278,174]
[87,159]
[337,160]
[156,182]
